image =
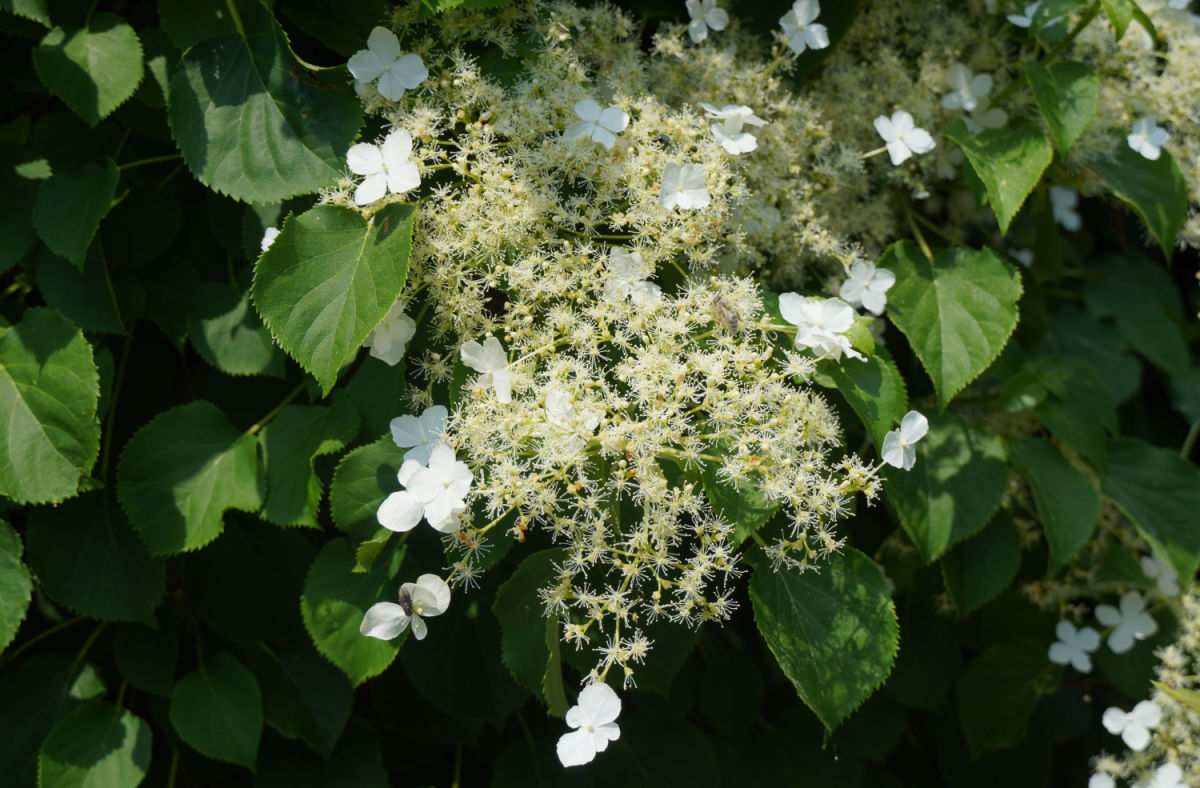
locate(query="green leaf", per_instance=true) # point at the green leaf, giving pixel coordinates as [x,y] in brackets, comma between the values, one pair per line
[85,297]
[328,280]
[374,390]
[999,690]
[833,631]
[957,311]
[98,745]
[1009,161]
[147,658]
[362,480]
[978,570]
[16,586]
[304,696]
[524,636]
[181,472]
[954,489]
[746,507]
[290,445]
[334,602]
[217,711]
[229,335]
[343,28]
[93,69]
[1122,12]
[70,205]
[1067,502]
[49,391]
[1160,494]
[875,391]
[356,762]
[188,22]
[368,552]
[36,10]
[87,557]
[1068,94]
[32,699]
[1143,300]
[252,122]
[1155,190]
[554,692]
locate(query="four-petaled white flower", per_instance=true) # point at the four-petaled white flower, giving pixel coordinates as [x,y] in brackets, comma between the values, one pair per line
[800,28]
[434,491]
[269,236]
[388,167]
[967,89]
[1101,780]
[821,324]
[705,15]
[1148,138]
[903,137]
[426,598]
[594,719]
[1074,646]
[382,61]
[1064,202]
[683,187]
[491,362]
[389,340]
[730,131]
[1133,728]
[1025,19]
[1169,775]
[867,286]
[1163,575]
[1131,622]
[628,277]
[420,434]
[597,124]
[900,445]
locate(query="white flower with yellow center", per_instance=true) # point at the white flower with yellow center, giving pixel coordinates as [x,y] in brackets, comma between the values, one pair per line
[426,598]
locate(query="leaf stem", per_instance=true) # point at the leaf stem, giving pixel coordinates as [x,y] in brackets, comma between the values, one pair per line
[236,17]
[1189,442]
[87,646]
[106,448]
[458,757]
[129,165]
[916,229]
[39,637]
[257,426]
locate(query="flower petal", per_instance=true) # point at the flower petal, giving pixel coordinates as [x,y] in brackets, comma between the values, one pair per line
[440,591]
[364,159]
[400,511]
[371,189]
[576,748]
[384,621]
[383,42]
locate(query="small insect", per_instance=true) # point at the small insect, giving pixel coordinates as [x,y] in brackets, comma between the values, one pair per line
[725,314]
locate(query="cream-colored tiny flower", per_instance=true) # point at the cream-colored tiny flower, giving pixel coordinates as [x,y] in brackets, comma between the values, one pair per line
[683,187]
[388,167]
[628,276]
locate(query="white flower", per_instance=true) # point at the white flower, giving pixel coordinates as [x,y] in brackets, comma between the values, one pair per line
[1178,4]
[967,89]
[1134,727]
[1025,19]
[596,124]
[902,136]
[1163,575]
[594,719]
[491,362]
[570,427]
[628,277]
[420,434]
[1065,204]
[867,286]
[1074,646]
[1023,256]
[1101,780]
[434,491]
[1168,775]
[821,324]
[389,340]
[899,446]
[985,117]
[1130,623]
[269,236]
[1147,137]
[730,132]
[705,15]
[426,598]
[388,167]
[800,30]
[683,186]
[382,60]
